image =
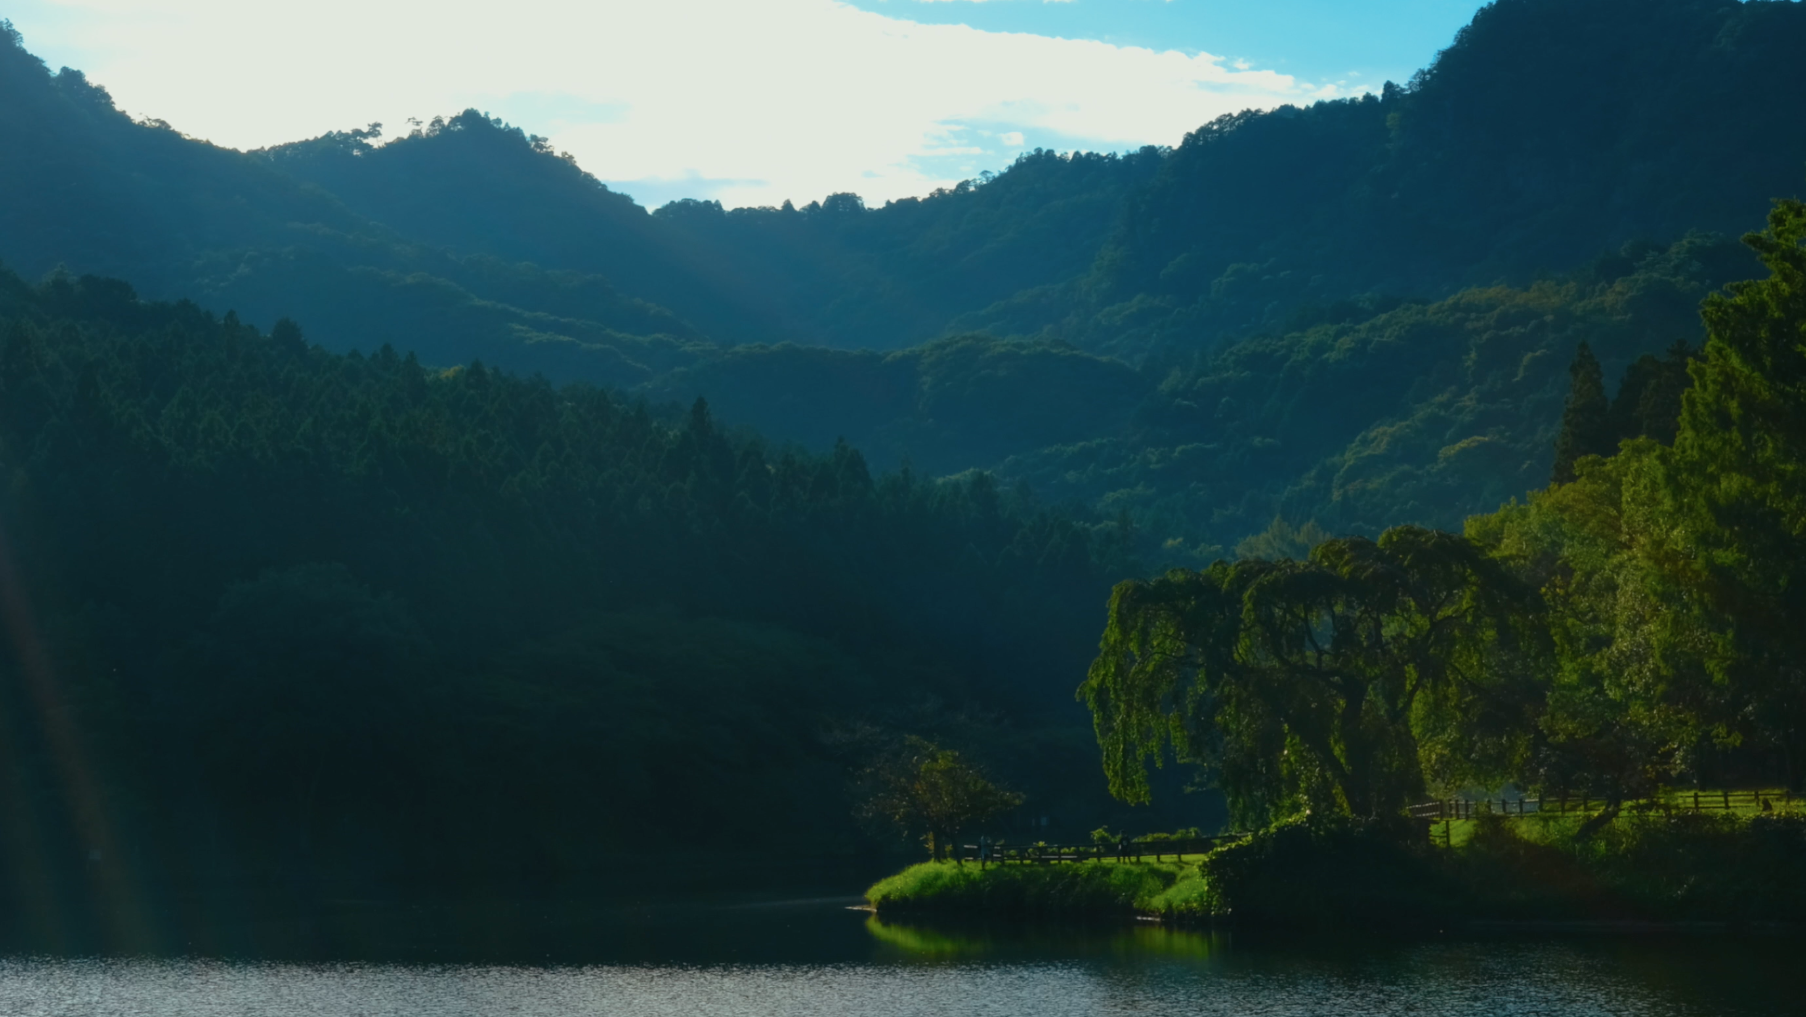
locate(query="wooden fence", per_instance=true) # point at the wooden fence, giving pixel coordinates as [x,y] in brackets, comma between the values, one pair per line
[1674,801]
[1053,854]
[1004,853]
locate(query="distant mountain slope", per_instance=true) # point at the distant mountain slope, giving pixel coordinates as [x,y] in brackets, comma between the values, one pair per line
[1425,413]
[1549,132]
[880,278]
[1081,288]
[474,186]
[831,273]
[82,185]
[941,407]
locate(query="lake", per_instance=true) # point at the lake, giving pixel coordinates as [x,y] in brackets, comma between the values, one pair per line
[798,958]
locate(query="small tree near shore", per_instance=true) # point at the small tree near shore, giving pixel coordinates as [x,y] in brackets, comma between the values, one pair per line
[932,792]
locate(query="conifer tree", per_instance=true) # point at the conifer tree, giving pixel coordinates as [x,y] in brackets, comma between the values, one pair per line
[1586,422]
[1738,485]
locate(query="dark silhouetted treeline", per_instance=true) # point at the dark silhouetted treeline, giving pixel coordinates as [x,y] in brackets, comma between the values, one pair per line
[275,612]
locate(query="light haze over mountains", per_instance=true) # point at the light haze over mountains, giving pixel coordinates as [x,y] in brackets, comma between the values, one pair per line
[748,103]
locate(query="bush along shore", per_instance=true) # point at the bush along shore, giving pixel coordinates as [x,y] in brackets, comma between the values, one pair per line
[1326,872]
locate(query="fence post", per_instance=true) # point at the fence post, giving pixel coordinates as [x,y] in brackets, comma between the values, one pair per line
[1727,801]
[1696,802]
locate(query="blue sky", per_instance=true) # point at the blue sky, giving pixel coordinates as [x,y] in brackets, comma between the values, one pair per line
[1316,39]
[745,101]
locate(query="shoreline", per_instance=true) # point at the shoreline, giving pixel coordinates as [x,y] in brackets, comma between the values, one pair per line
[1665,875]
[1474,927]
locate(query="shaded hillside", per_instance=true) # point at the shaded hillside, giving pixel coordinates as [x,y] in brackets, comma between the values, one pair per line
[1425,413]
[855,277]
[940,407]
[474,186]
[86,186]
[1549,132]
[83,185]
[1173,327]
[345,618]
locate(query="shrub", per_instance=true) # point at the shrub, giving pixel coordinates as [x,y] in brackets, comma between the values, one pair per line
[1324,871]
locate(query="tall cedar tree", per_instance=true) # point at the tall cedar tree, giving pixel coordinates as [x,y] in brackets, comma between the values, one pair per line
[1738,485]
[1586,427]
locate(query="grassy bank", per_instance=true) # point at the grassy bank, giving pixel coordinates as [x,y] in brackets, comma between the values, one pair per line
[1327,873]
[1098,888]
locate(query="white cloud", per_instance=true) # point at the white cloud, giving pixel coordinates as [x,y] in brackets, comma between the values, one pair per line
[775,99]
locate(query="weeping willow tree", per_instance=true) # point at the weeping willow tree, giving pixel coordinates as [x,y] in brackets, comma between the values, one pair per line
[1341,682]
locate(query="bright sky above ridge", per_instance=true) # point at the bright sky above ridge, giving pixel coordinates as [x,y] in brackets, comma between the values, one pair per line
[746,101]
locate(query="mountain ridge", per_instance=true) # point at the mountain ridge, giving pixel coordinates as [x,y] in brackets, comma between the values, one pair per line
[1069,279]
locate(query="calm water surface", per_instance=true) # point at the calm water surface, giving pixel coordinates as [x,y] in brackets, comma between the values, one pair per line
[800,959]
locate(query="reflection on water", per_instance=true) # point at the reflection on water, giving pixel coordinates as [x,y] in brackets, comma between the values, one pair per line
[799,959]
[944,941]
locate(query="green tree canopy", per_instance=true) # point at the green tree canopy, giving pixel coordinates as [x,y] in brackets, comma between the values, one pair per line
[1738,486]
[1316,683]
[1673,574]
[932,792]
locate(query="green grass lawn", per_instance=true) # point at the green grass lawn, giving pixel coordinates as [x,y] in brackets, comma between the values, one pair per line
[1554,827]
[1644,864]
[1095,887]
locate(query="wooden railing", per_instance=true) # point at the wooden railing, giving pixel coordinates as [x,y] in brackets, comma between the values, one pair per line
[1178,849]
[1005,853]
[1673,801]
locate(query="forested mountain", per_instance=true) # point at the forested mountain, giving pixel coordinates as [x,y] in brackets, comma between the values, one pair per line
[87,187]
[832,272]
[1548,133]
[348,617]
[881,278]
[474,186]
[1353,416]
[1268,321]
[1426,413]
